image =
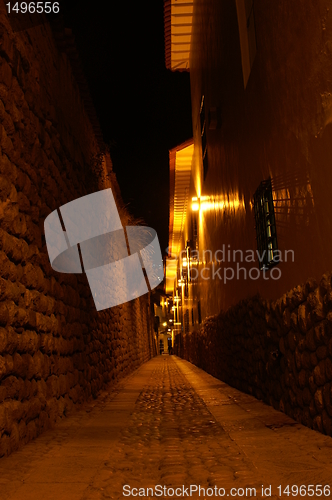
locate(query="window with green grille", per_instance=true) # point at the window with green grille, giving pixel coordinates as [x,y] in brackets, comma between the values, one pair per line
[266,233]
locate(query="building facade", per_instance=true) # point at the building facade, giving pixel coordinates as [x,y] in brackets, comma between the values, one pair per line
[253,213]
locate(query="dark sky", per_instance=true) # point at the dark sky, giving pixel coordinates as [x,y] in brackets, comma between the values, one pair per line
[143,109]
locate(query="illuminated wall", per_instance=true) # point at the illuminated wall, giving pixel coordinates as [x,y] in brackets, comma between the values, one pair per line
[278,126]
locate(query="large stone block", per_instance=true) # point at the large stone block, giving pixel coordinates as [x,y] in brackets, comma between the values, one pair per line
[322,352]
[327,423]
[15,411]
[303,379]
[52,384]
[315,302]
[292,340]
[317,423]
[320,373]
[49,330]
[5,445]
[33,277]
[12,386]
[6,143]
[7,168]
[17,316]
[306,360]
[6,74]
[304,318]
[31,430]
[10,291]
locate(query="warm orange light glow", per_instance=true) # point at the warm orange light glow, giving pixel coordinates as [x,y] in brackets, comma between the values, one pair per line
[171,271]
[216,203]
[206,203]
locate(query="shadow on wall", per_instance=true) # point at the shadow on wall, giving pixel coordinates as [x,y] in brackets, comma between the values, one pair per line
[278,351]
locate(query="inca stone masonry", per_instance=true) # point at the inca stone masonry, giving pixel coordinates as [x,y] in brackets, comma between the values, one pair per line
[56,351]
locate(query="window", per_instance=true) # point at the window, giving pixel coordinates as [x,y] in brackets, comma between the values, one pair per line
[246,21]
[203,136]
[266,233]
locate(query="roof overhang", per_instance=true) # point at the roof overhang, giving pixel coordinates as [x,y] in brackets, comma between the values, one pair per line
[178,16]
[171,274]
[180,164]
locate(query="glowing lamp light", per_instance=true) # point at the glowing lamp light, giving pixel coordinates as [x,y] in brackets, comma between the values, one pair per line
[205,203]
[165,324]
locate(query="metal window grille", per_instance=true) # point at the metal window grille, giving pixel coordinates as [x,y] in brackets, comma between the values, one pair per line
[266,233]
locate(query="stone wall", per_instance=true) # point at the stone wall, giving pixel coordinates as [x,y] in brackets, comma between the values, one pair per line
[278,351]
[56,351]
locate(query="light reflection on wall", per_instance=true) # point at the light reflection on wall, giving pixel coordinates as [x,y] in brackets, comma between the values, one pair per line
[217,203]
[213,210]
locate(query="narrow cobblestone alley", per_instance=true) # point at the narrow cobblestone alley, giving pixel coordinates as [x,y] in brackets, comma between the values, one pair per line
[165,214]
[168,424]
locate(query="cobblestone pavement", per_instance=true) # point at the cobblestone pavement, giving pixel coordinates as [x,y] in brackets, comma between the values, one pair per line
[173,425]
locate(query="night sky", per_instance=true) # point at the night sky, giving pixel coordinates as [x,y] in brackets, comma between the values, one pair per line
[144,110]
